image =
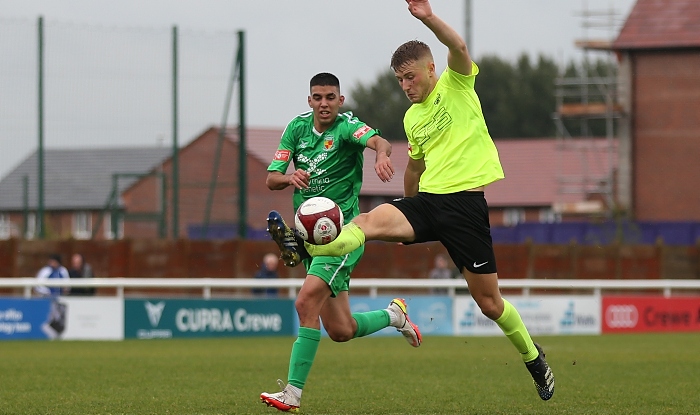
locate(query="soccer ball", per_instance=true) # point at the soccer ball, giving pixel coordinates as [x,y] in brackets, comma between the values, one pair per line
[319,220]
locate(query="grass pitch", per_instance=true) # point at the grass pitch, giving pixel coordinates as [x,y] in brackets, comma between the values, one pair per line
[621,374]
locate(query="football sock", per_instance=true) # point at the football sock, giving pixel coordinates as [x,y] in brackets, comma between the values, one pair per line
[303,354]
[350,238]
[370,322]
[514,328]
[296,391]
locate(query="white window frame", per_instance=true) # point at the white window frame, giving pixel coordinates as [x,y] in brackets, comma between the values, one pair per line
[82,225]
[513,216]
[30,232]
[5,226]
[549,215]
[107,227]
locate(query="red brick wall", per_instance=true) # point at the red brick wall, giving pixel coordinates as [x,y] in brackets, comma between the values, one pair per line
[196,162]
[666,135]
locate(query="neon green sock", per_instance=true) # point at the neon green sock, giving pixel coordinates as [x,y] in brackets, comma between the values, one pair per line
[370,322]
[303,354]
[350,238]
[514,328]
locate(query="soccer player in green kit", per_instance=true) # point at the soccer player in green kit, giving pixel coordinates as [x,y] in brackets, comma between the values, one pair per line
[327,150]
[451,159]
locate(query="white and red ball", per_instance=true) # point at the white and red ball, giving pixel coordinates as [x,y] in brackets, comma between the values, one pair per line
[319,220]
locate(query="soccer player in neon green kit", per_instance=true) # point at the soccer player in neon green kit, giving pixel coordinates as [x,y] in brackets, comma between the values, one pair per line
[327,150]
[451,159]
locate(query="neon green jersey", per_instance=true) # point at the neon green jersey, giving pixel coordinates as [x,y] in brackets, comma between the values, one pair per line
[334,159]
[448,131]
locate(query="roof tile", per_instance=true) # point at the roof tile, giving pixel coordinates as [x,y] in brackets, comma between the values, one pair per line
[656,24]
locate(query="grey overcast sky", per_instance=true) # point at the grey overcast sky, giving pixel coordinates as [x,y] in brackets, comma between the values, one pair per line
[289,41]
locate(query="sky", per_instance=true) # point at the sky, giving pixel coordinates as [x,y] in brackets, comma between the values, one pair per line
[287,42]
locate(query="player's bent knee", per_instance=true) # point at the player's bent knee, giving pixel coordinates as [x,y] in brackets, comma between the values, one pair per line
[489,307]
[305,308]
[340,336]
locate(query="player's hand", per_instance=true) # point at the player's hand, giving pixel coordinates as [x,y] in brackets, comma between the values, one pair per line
[300,179]
[383,167]
[420,9]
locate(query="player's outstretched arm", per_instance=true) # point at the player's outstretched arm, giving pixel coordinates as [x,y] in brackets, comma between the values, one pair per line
[382,163]
[458,58]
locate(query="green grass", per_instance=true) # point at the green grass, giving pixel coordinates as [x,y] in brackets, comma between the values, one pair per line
[622,374]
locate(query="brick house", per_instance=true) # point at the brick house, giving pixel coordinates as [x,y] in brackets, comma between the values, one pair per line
[78,184]
[528,193]
[145,203]
[196,163]
[659,52]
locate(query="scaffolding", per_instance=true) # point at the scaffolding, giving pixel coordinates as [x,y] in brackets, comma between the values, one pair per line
[583,102]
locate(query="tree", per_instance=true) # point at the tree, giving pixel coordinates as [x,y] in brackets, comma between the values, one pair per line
[517,99]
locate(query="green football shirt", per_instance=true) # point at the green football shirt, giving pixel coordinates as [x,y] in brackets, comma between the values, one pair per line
[449,132]
[334,159]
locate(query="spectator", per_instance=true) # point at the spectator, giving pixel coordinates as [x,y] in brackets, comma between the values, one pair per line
[441,271]
[268,270]
[52,270]
[80,269]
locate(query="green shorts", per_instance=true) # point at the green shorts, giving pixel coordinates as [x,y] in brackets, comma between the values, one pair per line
[335,270]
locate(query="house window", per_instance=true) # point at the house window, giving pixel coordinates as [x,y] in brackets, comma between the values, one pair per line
[549,215]
[513,216]
[5,226]
[30,232]
[107,227]
[82,225]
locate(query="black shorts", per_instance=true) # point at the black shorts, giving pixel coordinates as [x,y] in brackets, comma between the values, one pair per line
[460,221]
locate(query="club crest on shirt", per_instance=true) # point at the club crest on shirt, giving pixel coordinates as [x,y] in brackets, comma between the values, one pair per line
[361,131]
[328,143]
[282,155]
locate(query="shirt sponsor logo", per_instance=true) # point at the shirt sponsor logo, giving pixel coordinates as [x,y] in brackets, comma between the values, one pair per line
[360,132]
[282,155]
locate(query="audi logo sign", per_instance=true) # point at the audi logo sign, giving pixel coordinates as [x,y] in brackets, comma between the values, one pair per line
[621,316]
[650,314]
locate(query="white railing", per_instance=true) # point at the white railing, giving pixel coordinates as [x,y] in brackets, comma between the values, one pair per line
[666,287]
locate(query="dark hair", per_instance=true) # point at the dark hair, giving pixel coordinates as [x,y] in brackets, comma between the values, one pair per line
[55,257]
[324,79]
[411,51]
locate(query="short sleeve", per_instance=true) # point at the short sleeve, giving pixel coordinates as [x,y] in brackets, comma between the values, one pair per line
[285,152]
[357,131]
[456,80]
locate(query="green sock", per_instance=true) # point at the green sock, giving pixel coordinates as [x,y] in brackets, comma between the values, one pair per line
[514,328]
[303,354]
[370,322]
[350,238]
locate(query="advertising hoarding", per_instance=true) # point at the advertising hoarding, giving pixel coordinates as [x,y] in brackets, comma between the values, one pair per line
[93,318]
[36,318]
[165,318]
[541,315]
[625,314]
